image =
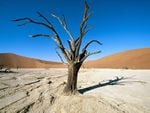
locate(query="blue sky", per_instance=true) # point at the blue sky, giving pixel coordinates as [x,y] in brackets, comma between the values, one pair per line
[119,24]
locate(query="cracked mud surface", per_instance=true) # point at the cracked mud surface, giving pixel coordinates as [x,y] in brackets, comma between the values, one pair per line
[39,91]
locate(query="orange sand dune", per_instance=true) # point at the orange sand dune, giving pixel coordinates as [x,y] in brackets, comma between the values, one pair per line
[133,59]
[14,61]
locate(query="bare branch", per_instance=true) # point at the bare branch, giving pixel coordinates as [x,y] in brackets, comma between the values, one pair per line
[78,44]
[38,35]
[44,35]
[84,51]
[92,41]
[88,29]
[68,54]
[20,19]
[82,55]
[86,16]
[29,20]
[64,25]
[49,25]
[42,16]
[26,19]
[70,45]
[72,55]
[83,27]
[89,54]
[60,57]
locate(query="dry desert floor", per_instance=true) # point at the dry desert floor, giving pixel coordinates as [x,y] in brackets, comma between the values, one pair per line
[102,91]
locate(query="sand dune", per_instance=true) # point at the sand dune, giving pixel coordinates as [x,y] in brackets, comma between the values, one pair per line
[102,90]
[133,59]
[13,61]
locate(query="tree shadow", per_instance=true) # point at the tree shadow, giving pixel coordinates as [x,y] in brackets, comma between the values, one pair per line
[116,81]
[102,84]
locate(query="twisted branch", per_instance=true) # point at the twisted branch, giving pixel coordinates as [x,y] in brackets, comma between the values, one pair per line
[49,26]
[92,41]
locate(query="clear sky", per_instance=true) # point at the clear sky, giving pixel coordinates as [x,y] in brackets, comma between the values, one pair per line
[119,24]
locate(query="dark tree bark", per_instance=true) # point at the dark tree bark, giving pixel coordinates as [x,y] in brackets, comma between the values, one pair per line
[71,86]
[74,55]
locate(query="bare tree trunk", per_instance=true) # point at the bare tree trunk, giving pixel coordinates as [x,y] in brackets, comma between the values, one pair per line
[71,86]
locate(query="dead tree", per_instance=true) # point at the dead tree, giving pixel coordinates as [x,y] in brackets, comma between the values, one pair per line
[7,70]
[74,55]
[1,67]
